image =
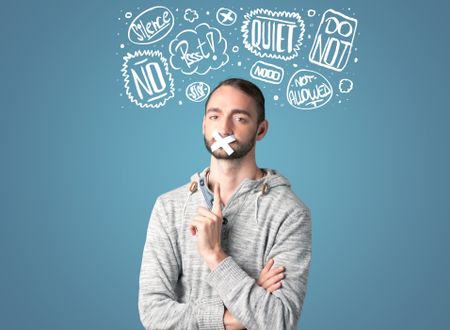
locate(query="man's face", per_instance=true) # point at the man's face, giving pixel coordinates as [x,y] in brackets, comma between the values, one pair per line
[231,111]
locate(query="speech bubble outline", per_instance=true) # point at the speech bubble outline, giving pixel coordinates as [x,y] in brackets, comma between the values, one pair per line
[226,16]
[281,17]
[303,81]
[261,65]
[201,60]
[152,54]
[145,31]
[205,89]
[319,55]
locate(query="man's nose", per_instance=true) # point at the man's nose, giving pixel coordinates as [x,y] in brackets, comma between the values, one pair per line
[226,127]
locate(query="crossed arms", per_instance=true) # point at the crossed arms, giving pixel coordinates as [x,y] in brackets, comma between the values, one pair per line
[248,302]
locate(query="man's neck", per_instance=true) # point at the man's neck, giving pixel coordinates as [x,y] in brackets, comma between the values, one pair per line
[230,173]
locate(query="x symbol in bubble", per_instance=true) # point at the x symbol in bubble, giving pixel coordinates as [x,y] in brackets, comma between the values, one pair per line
[227,16]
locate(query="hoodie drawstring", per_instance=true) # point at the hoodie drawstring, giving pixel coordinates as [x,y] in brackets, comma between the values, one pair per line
[264,190]
[192,189]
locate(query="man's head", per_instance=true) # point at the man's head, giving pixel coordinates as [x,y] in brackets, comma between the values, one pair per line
[235,106]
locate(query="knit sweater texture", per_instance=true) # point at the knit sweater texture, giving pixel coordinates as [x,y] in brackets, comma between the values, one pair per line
[265,220]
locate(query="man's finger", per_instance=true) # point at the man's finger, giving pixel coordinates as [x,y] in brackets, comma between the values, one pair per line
[193,230]
[204,212]
[272,280]
[268,265]
[267,274]
[275,271]
[216,209]
[202,218]
[274,287]
[265,271]
[196,225]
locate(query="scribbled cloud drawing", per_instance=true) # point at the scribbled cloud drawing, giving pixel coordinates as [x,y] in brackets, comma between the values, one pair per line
[308,90]
[345,86]
[267,72]
[273,34]
[334,40]
[190,15]
[151,25]
[199,50]
[197,91]
[148,82]
[297,56]
[225,16]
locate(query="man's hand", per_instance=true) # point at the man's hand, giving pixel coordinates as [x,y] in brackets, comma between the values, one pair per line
[207,226]
[270,278]
[230,322]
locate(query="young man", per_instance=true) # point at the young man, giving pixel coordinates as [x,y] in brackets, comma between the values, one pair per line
[215,246]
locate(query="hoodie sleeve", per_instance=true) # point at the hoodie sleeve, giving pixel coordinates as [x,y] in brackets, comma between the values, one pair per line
[160,270]
[251,304]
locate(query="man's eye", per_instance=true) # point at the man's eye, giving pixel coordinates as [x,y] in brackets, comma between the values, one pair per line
[241,119]
[213,117]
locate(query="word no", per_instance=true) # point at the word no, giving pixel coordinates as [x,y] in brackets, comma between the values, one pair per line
[148,82]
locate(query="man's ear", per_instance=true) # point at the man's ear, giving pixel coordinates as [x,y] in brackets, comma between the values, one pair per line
[263,127]
[203,126]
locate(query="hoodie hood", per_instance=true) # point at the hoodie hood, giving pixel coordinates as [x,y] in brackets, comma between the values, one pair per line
[256,189]
[272,179]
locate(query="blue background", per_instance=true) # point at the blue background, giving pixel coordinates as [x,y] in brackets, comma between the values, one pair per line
[80,174]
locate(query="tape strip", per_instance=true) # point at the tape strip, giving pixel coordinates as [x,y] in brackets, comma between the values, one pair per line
[223,143]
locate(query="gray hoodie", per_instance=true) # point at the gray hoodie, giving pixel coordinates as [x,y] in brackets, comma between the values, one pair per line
[264,220]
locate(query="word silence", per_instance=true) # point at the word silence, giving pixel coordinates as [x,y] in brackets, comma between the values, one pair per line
[273,34]
[170,45]
[148,82]
[151,26]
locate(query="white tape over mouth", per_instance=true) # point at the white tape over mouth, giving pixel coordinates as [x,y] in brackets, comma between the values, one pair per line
[223,143]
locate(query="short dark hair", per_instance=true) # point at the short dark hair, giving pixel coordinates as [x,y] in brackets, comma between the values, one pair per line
[248,88]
